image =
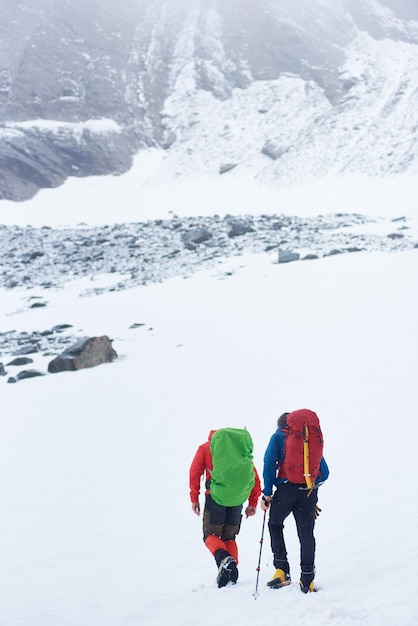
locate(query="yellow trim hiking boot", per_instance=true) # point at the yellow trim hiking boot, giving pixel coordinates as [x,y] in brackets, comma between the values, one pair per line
[280,579]
[307,583]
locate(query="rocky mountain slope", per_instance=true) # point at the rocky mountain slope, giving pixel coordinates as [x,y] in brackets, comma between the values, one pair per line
[281,92]
[37,262]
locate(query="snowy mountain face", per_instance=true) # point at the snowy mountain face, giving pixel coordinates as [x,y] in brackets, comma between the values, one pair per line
[282,92]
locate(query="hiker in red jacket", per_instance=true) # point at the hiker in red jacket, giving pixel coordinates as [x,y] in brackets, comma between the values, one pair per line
[221,524]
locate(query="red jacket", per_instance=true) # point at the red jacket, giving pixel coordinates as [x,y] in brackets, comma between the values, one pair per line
[202,464]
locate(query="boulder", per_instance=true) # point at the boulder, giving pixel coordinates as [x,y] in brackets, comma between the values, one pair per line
[26,349]
[227,167]
[333,252]
[87,352]
[28,374]
[60,327]
[37,305]
[193,237]
[395,236]
[23,360]
[237,228]
[273,150]
[286,256]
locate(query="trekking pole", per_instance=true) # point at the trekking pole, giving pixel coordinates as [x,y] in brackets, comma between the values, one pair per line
[256,594]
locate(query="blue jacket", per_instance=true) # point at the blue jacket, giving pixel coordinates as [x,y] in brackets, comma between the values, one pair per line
[273,459]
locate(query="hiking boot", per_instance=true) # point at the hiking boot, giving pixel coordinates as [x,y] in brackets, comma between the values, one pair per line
[307,583]
[227,572]
[307,589]
[280,579]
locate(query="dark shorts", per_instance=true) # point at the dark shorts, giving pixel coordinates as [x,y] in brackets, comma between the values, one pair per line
[223,521]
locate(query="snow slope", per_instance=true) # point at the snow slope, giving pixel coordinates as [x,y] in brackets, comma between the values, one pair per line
[96,526]
[140,195]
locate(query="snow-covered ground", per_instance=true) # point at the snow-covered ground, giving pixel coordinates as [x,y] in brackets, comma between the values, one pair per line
[140,195]
[96,526]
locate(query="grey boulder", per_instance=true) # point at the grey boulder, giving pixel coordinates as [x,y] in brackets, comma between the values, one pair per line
[87,352]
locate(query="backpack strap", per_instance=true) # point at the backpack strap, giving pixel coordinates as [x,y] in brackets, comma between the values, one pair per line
[306,470]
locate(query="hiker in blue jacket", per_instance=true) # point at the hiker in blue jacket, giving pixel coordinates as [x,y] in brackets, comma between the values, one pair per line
[291,497]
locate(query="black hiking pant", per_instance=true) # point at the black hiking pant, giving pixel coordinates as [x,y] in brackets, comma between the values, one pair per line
[291,498]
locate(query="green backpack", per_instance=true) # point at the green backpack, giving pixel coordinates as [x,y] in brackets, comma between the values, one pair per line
[233,471]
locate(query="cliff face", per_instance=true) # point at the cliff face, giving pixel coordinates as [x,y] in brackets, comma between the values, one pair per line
[85,84]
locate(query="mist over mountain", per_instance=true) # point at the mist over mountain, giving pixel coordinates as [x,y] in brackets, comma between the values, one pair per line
[279,91]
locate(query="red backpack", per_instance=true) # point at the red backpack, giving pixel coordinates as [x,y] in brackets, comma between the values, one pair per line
[303,448]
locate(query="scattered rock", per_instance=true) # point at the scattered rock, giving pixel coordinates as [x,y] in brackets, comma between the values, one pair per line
[286,256]
[28,374]
[396,236]
[272,150]
[227,167]
[2,370]
[21,344]
[27,257]
[196,236]
[24,360]
[237,228]
[31,349]
[147,252]
[37,305]
[85,353]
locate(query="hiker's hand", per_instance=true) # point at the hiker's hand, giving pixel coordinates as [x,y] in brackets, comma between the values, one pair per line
[250,511]
[316,512]
[265,502]
[196,508]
